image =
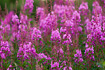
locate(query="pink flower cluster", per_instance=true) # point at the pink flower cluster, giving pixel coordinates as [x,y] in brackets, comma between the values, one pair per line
[27,51]
[51,40]
[78,56]
[4,49]
[29,5]
[89,53]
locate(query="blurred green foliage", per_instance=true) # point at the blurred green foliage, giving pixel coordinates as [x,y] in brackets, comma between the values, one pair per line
[11,5]
[90,2]
[8,2]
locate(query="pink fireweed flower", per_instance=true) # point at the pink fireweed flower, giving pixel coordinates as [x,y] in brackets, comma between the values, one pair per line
[70,68]
[15,35]
[23,19]
[67,38]
[8,18]
[89,53]
[10,68]
[4,50]
[15,19]
[89,49]
[103,22]
[68,23]
[42,55]
[88,24]
[96,8]
[29,5]
[3,55]
[86,45]
[96,27]
[61,51]
[95,3]
[56,64]
[19,54]
[89,37]
[63,10]
[78,56]
[55,35]
[48,23]
[64,68]
[76,16]
[5,29]
[22,33]
[4,44]
[83,9]
[62,29]
[84,5]
[36,34]
[79,28]
[27,51]
[103,36]
[40,12]
[22,27]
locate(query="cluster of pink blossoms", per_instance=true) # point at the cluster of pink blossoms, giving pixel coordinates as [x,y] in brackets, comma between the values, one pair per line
[29,5]
[4,49]
[50,41]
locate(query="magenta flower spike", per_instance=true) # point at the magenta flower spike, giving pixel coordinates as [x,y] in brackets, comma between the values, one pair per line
[29,5]
[55,35]
[78,55]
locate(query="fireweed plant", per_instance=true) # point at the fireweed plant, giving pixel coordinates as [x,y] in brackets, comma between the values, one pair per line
[65,38]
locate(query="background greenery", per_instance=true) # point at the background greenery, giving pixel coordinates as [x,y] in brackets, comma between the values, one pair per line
[11,4]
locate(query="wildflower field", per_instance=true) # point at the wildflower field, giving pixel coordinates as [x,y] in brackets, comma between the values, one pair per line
[62,35]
